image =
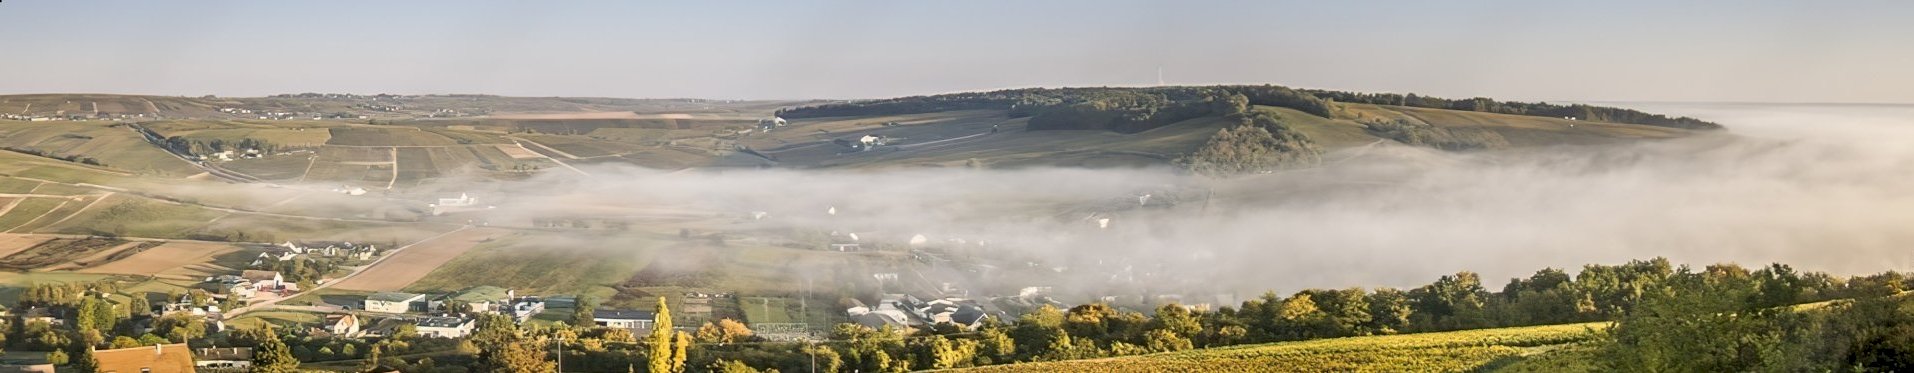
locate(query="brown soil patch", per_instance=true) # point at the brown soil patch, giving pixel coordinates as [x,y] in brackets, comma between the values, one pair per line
[171,259]
[413,263]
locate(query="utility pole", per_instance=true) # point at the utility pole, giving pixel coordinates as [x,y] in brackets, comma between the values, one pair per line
[561,353]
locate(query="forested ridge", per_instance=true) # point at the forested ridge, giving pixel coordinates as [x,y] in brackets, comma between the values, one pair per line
[1126,109]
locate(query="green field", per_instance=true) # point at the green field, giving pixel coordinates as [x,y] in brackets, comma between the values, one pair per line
[386,136]
[119,148]
[12,185]
[26,211]
[1460,351]
[121,215]
[544,264]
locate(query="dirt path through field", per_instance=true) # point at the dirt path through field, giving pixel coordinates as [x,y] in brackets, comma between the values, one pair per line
[395,169]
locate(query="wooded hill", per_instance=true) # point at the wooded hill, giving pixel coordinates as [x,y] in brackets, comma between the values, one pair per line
[1130,110]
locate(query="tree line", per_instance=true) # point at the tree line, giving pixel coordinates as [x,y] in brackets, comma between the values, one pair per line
[1131,109]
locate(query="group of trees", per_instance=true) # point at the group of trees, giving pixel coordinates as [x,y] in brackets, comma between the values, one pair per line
[1544,109]
[1137,109]
[183,145]
[66,157]
[1259,142]
[1733,320]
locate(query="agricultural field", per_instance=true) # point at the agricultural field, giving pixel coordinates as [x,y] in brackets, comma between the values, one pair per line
[544,263]
[182,260]
[407,267]
[115,146]
[11,185]
[282,167]
[387,136]
[1460,351]
[27,210]
[123,215]
[59,251]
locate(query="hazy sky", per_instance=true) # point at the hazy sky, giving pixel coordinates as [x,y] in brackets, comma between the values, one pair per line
[1611,50]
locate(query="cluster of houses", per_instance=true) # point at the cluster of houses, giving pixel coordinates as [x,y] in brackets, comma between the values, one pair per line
[284,115]
[249,284]
[904,311]
[453,322]
[325,249]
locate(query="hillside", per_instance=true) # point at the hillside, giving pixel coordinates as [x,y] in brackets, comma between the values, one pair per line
[1485,350]
[398,141]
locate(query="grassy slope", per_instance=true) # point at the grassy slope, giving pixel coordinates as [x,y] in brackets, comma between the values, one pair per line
[119,148]
[1470,350]
[533,265]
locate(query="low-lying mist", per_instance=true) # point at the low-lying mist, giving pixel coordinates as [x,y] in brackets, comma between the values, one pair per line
[1820,188]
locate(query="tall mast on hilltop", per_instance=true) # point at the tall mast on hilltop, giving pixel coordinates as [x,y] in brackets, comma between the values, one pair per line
[1159,76]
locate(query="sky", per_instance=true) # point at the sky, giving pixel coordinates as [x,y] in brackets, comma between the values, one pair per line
[1744,51]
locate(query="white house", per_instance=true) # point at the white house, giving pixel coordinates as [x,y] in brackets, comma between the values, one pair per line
[524,308]
[389,302]
[264,280]
[624,319]
[446,327]
[342,325]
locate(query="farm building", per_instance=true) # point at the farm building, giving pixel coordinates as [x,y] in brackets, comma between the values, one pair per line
[476,299]
[524,308]
[264,280]
[624,319]
[157,358]
[390,302]
[846,247]
[223,358]
[446,327]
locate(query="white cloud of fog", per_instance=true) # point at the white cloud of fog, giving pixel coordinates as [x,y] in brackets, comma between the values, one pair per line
[1821,188]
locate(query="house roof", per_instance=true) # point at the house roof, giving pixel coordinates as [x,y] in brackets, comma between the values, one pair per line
[879,319]
[394,297]
[159,358]
[482,294]
[258,275]
[624,315]
[443,322]
[224,353]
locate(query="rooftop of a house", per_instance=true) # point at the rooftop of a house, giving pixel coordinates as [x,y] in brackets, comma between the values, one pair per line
[394,297]
[258,275]
[158,358]
[623,315]
[224,353]
[478,294]
[444,322]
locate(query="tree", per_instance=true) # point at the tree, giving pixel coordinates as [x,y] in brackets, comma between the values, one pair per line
[725,331]
[519,357]
[140,306]
[678,354]
[372,358]
[86,362]
[660,340]
[57,357]
[582,312]
[125,342]
[272,355]
[181,327]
